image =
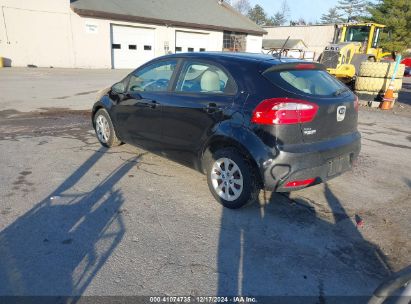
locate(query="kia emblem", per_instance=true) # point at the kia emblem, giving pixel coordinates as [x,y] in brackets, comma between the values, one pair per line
[341,113]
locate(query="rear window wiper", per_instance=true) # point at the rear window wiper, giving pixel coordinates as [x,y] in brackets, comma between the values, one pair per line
[340,91]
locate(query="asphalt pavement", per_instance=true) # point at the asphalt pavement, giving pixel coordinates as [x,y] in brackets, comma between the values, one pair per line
[79,219]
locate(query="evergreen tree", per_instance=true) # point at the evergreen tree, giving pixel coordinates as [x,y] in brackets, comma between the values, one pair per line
[258,15]
[352,9]
[276,20]
[396,15]
[331,17]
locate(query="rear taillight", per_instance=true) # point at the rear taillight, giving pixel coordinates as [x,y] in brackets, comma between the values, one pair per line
[300,183]
[282,111]
[356,103]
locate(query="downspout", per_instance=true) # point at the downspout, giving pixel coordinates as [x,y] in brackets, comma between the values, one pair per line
[5,25]
[72,41]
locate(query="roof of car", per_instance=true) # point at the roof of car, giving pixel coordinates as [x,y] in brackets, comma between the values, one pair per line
[203,14]
[235,56]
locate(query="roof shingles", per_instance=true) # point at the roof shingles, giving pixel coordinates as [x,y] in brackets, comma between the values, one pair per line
[207,14]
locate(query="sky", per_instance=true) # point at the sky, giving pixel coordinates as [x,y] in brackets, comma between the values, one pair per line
[310,10]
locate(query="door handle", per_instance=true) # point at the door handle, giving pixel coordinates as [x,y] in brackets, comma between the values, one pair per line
[147,103]
[212,108]
[135,99]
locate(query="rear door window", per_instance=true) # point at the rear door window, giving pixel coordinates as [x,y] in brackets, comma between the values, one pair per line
[204,78]
[309,82]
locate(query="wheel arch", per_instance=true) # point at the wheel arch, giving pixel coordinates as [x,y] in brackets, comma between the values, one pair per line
[103,103]
[114,140]
[222,141]
[93,113]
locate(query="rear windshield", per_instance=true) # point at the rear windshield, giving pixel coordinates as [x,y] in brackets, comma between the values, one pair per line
[310,82]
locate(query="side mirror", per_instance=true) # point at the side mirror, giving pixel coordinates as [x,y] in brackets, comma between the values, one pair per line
[119,88]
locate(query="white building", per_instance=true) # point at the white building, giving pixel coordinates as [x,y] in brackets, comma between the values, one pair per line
[118,33]
[316,37]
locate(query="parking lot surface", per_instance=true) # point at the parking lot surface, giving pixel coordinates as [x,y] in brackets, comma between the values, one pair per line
[79,219]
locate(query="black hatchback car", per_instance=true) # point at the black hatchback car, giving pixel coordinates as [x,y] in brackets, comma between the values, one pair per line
[249,121]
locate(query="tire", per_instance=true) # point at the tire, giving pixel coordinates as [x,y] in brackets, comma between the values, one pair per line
[381,69]
[106,136]
[371,84]
[242,178]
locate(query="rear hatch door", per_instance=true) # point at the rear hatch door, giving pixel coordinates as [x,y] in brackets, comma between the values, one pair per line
[337,111]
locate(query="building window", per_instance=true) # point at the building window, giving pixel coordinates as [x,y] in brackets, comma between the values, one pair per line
[234,42]
[116,46]
[179,49]
[202,49]
[132,47]
[147,47]
[190,49]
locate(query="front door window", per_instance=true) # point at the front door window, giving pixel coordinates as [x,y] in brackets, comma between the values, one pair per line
[153,78]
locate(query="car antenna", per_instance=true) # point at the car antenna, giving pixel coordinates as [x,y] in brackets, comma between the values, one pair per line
[282,49]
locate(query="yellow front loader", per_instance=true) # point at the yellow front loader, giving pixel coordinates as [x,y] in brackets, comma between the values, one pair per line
[353,44]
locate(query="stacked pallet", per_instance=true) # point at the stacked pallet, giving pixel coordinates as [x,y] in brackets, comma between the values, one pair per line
[374,79]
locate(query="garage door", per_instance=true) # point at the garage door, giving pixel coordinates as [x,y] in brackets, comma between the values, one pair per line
[131,46]
[191,42]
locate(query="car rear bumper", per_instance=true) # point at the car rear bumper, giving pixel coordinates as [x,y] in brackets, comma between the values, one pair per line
[322,160]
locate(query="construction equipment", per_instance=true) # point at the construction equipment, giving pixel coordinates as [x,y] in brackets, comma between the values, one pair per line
[353,44]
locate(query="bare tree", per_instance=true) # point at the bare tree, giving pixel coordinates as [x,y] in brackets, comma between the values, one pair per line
[281,16]
[242,6]
[300,21]
[285,9]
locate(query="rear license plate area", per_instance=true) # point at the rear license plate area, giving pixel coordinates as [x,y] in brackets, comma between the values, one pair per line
[338,165]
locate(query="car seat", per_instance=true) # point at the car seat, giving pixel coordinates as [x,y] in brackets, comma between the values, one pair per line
[210,82]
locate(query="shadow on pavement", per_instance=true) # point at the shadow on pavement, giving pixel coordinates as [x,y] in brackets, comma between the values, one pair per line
[282,247]
[58,246]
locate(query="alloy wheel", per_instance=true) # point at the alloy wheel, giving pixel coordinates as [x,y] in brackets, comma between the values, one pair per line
[227,179]
[102,129]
